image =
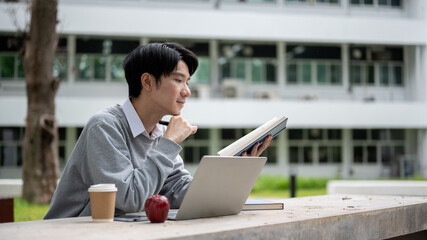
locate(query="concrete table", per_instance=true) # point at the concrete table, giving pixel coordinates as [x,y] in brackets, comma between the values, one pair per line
[319,217]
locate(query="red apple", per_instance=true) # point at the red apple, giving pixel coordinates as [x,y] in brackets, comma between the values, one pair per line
[157,208]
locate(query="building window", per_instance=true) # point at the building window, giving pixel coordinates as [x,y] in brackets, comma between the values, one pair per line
[203,72]
[362,2]
[390,74]
[11,141]
[313,65]
[374,146]
[392,3]
[253,64]
[91,67]
[229,135]
[362,73]
[310,146]
[117,72]
[10,61]
[377,3]
[249,1]
[314,1]
[196,146]
[101,59]
[11,146]
[11,67]
[376,66]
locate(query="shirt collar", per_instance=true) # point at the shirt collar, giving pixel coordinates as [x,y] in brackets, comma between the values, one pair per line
[135,123]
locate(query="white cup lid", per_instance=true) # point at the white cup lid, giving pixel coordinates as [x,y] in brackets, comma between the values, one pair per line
[104,187]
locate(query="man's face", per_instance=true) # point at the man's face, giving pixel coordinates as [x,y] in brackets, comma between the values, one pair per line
[171,94]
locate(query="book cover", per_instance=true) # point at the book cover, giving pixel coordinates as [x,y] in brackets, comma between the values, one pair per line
[261,204]
[245,143]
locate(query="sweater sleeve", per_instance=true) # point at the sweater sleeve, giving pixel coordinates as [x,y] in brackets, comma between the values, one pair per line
[109,161]
[176,184]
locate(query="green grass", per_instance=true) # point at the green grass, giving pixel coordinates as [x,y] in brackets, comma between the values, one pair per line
[286,193]
[25,211]
[278,186]
[267,186]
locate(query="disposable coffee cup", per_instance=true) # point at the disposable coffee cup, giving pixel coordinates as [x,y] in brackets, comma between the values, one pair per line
[102,202]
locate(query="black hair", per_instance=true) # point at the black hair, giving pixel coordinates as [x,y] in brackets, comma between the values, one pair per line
[156,59]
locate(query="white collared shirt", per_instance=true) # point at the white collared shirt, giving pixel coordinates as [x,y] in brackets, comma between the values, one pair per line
[135,123]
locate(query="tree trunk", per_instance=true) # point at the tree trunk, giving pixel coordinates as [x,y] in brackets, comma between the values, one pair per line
[40,148]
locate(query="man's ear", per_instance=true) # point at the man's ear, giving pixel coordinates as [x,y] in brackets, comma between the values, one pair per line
[147,81]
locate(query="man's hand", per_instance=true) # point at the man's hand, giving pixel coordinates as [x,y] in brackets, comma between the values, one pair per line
[179,129]
[255,151]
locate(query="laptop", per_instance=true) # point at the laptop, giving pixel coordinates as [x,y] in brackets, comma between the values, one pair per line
[220,187]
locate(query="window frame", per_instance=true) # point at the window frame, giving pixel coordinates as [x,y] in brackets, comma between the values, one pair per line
[313,66]
[369,141]
[325,141]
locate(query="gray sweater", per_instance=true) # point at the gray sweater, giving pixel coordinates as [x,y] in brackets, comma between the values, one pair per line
[107,152]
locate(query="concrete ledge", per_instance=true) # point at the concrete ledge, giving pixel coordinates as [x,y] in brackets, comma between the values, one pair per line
[11,187]
[320,217]
[396,188]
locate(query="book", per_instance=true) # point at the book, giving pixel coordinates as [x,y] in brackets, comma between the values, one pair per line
[245,143]
[261,204]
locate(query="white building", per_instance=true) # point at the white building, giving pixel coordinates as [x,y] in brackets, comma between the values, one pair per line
[349,74]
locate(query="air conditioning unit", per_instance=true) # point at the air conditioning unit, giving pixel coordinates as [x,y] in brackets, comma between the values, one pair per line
[266,94]
[309,97]
[232,88]
[200,91]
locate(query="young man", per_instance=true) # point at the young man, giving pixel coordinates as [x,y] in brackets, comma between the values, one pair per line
[127,146]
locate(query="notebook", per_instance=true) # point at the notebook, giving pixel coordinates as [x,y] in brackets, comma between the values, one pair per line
[261,204]
[220,187]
